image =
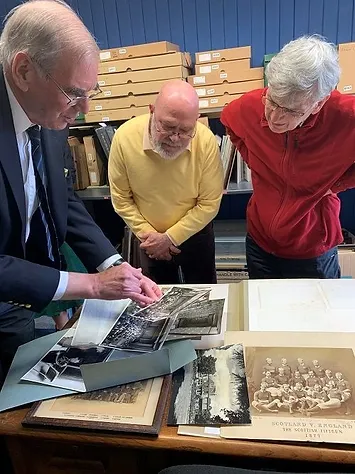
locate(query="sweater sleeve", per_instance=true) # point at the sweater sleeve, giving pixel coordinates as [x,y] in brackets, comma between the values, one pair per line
[232,119]
[121,193]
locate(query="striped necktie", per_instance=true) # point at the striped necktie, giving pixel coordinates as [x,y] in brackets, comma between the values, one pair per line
[40,174]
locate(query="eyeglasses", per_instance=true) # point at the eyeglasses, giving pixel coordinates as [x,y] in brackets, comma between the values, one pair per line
[75,100]
[273,105]
[170,133]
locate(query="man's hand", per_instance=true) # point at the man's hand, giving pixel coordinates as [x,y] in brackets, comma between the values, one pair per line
[125,281]
[158,245]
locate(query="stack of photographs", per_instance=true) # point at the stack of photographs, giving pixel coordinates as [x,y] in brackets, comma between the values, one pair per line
[181,313]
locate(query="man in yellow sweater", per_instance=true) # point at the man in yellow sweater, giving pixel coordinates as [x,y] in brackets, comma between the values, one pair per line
[166,183]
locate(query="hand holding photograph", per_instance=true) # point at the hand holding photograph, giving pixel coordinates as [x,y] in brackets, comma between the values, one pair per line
[211,390]
[137,407]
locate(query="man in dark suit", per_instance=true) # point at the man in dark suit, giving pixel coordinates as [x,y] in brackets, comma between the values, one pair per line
[48,73]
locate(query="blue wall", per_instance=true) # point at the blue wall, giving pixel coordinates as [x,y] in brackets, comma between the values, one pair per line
[198,25]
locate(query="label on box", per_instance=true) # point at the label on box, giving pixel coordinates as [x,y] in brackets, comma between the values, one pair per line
[107,93]
[98,107]
[203,104]
[223,75]
[89,157]
[105,119]
[347,88]
[93,177]
[210,91]
[198,80]
[204,57]
[112,69]
[102,83]
[205,69]
[122,51]
[214,101]
[105,55]
[216,55]
[200,92]
[215,66]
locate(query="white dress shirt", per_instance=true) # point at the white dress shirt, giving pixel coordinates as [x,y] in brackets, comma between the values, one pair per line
[21,124]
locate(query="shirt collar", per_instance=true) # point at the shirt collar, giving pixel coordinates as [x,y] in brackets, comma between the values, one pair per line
[19,117]
[147,144]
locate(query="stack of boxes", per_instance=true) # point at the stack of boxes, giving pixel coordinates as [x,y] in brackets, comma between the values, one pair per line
[346,60]
[224,75]
[131,77]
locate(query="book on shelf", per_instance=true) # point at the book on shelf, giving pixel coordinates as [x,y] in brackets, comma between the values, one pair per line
[234,167]
[105,136]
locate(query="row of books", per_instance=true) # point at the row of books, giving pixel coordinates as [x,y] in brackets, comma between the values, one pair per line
[90,154]
[234,168]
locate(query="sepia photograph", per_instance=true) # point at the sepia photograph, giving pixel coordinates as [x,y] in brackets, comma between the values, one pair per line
[60,367]
[301,382]
[204,317]
[136,407]
[212,390]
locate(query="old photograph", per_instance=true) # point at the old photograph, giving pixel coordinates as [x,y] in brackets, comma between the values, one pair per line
[135,407]
[146,329]
[211,390]
[301,382]
[60,367]
[203,317]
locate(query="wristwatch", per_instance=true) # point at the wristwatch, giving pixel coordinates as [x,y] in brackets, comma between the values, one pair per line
[117,262]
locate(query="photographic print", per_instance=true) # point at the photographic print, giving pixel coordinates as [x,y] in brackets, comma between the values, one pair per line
[136,407]
[60,367]
[146,329]
[301,382]
[211,390]
[298,393]
[204,317]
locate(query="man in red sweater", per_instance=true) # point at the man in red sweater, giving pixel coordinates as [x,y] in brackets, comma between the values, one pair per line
[298,138]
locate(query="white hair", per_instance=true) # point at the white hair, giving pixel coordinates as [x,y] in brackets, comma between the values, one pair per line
[305,69]
[45,29]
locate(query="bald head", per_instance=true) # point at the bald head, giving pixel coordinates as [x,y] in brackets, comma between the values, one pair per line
[47,31]
[179,99]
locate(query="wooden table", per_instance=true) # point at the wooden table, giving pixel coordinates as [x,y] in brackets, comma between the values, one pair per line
[54,451]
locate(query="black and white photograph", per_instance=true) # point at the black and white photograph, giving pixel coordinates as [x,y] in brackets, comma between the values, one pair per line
[134,333]
[172,301]
[212,390]
[203,317]
[301,382]
[146,329]
[60,367]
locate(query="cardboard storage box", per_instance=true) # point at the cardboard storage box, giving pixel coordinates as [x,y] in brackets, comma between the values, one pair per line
[241,65]
[77,149]
[224,76]
[95,164]
[136,51]
[347,60]
[233,88]
[174,72]
[221,101]
[124,90]
[223,55]
[122,102]
[118,114]
[151,62]
[205,121]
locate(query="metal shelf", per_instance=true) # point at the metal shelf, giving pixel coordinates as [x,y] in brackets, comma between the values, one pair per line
[239,188]
[94,193]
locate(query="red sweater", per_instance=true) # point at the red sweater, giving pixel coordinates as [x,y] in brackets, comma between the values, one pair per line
[292,212]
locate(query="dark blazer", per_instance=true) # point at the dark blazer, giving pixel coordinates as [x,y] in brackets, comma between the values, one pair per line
[22,282]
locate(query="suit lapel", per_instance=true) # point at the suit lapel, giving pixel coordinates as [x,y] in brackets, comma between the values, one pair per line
[9,156]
